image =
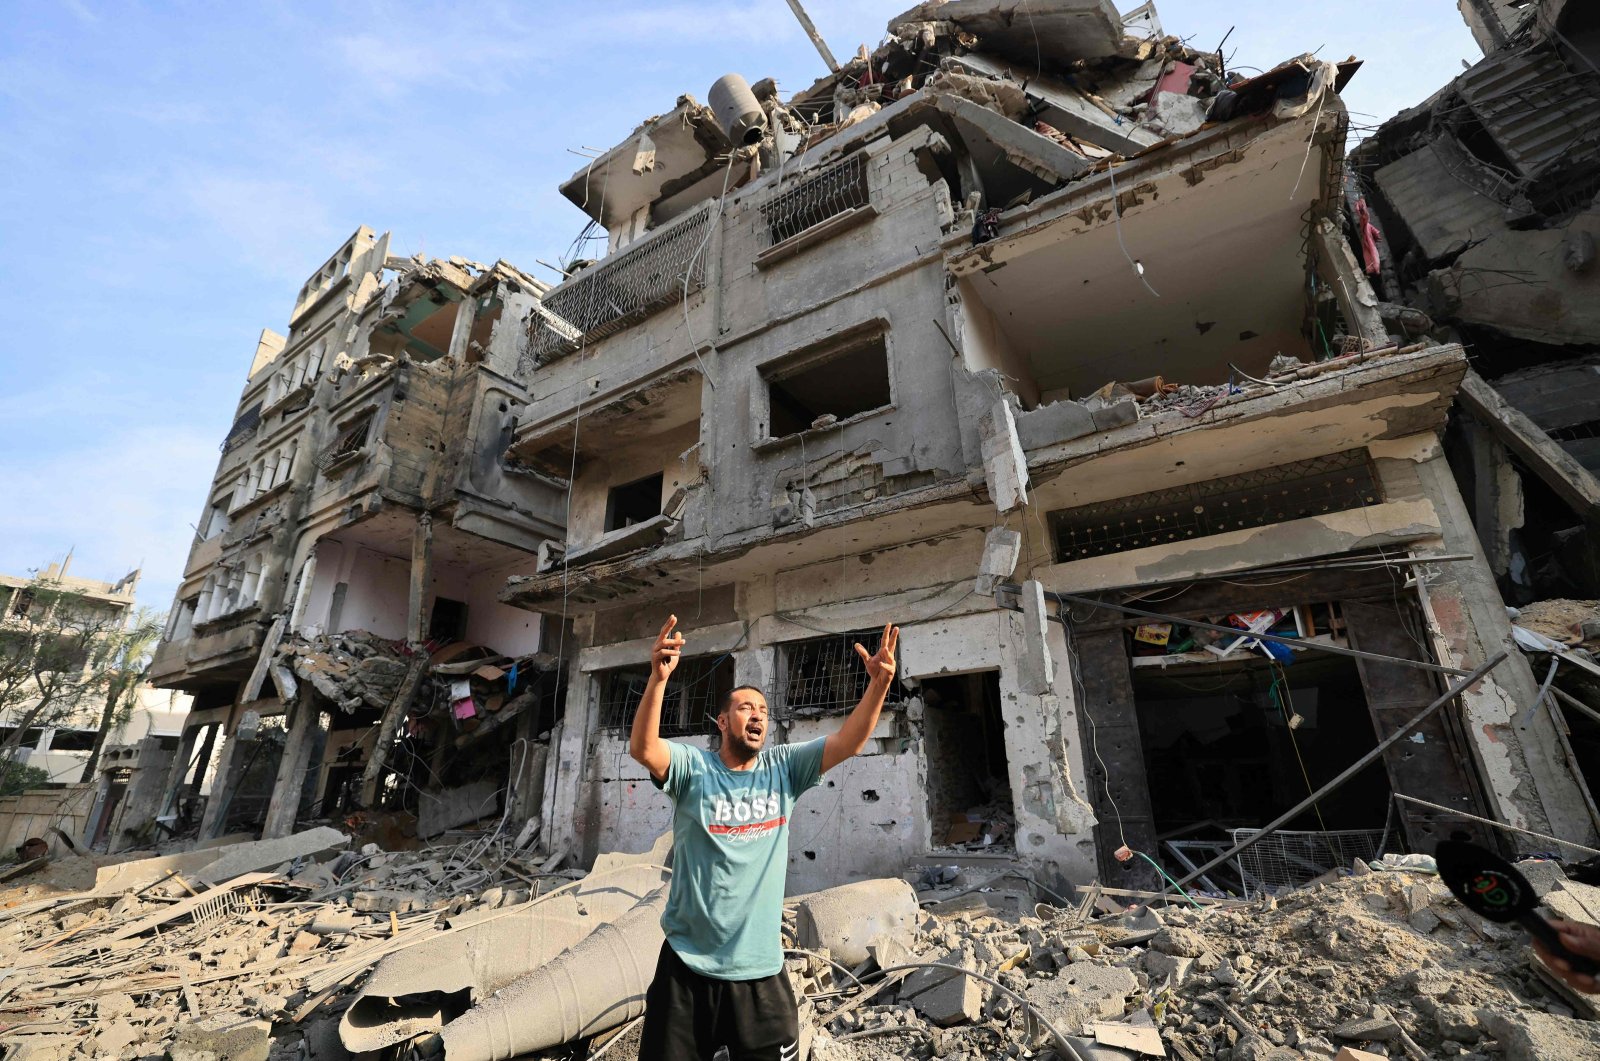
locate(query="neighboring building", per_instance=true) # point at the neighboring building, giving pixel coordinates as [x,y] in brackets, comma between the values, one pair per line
[360,491]
[1485,226]
[61,738]
[1003,335]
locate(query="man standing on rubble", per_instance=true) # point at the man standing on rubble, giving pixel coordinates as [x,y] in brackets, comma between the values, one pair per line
[720,978]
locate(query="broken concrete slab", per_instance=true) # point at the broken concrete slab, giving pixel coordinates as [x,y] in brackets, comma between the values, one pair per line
[950,999]
[482,954]
[1055,422]
[222,1038]
[451,807]
[268,854]
[1533,1036]
[1002,548]
[597,984]
[1037,668]
[846,919]
[1005,466]
[1057,30]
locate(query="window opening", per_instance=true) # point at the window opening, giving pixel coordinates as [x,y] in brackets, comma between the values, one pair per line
[634,502]
[823,675]
[693,698]
[352,439]
[448,621]
[217,517]
[845,382]
[243,427]
[1230,745]
[1330,483]
[969,782]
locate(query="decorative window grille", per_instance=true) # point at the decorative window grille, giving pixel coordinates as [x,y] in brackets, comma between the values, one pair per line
[693,698]
[624,289]
[812,200]
[823,675]
[243,427]
[1305,488]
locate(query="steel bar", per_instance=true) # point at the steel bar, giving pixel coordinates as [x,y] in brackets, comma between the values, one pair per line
[1497,825]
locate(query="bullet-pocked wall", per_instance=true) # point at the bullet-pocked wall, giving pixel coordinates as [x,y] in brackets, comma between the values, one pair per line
[870,816]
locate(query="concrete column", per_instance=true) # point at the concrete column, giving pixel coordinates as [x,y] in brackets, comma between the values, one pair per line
[1528,781]
[421,576]
[175,771]
[228,765]
[1055,823]
[142,798]
[286,790]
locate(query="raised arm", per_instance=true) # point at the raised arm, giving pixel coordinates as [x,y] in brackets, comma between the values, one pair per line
[645,743]
[852,736]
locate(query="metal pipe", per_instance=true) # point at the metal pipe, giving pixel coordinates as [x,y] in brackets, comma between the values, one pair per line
[816,38]
[1195,624]
[1352,770]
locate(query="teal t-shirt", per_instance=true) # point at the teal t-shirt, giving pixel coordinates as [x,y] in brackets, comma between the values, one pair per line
[730,854]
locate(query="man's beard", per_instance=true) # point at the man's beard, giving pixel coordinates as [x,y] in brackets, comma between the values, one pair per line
[740,745]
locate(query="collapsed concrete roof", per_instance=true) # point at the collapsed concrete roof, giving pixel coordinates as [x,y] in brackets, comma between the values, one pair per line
[1017,29]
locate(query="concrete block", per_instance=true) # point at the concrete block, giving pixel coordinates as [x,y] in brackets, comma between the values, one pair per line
[846,919]
[1368,1030]
[1005,466]
[385,901]
[1001,550]
[1532,1036]
[266,854]
[1037,670]
[225,1038]
[457,806]
[958,1000]
[1117,414]
[1056,422]
[1543,875]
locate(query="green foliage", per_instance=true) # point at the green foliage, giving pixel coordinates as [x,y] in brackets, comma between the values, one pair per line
[16,777]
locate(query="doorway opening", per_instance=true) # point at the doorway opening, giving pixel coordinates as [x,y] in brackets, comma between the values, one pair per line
[1232,744]
[969,784]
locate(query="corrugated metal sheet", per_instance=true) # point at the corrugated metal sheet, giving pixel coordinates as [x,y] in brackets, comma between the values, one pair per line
[1443,210]
[1534,107]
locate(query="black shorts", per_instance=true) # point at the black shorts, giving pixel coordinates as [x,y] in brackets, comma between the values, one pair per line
[688,1016]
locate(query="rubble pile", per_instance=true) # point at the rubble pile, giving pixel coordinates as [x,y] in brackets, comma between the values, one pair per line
[372,950]
[258,962]
[1384,962]
[353,669]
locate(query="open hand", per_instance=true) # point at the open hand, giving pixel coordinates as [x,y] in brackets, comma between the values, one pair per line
[668,648]
[880,665]
[1579,939]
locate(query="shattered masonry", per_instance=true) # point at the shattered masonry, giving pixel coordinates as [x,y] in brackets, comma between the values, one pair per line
[1006,336]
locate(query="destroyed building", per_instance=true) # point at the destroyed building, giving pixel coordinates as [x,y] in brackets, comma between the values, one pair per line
[359,525]
[1052,340]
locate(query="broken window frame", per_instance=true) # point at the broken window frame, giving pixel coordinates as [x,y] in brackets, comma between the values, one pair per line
[611,524]
[243,427]
[355,435]
[835,347]
[843,677]
[691,702]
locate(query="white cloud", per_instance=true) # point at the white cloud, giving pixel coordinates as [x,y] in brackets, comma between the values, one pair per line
[129,497]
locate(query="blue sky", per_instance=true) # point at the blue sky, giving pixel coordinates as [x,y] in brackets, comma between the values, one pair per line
[175,171]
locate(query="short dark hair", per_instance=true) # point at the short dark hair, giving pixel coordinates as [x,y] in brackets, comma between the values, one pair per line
[728,701]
